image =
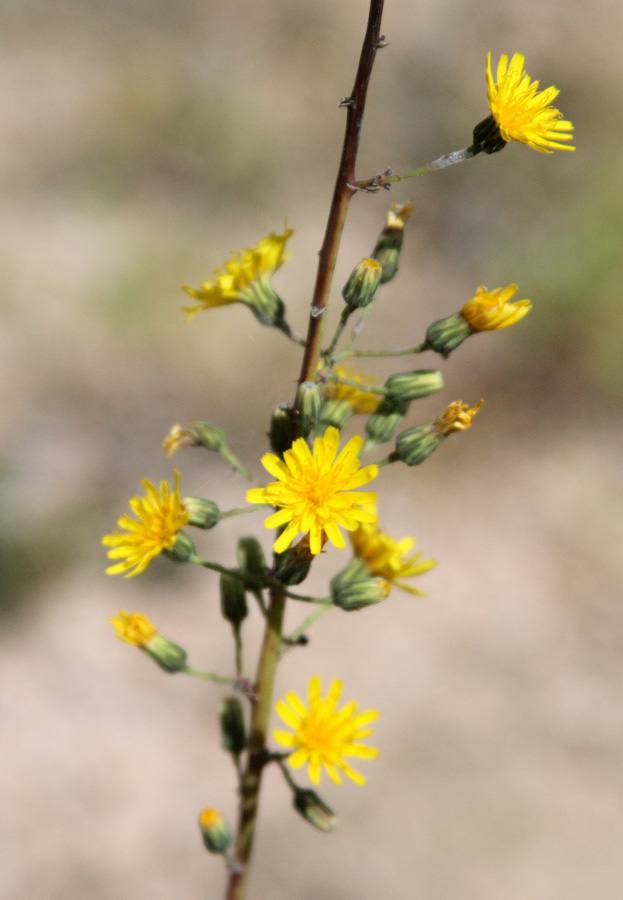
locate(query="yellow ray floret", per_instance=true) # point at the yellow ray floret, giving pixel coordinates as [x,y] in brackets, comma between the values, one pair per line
[159,517]
[316,491]
[322,734]
[361,401]
[133,628]
[524,113]
[389,559]
[490,310]
[229,282]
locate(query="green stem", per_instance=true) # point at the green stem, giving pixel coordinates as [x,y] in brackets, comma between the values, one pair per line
[369,389]
[241,510]
[235,463]
[346,312]
[384,179]
[209,676]
[321,601]
[252,777]
[296,634]
[401,351]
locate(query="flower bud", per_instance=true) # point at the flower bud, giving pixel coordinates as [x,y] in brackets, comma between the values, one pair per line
[383,423]
[203,513]
[233,600]
[293,565]
[215,831]
[360,289]
[308,406]
[312,808]
[182,549]
[251,559]
[233,730]
[193,435]
[353,588]
[407,386]
[447,334]
[136,629]
[281,430]
[389,243]
[416,444]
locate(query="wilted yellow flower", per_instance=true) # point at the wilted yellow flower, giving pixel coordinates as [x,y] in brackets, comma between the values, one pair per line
[235,280]
[359,401]
[316,491]
[133,628]
[522,112]
[160,516]
[389,559]
[323,735]
[490,310]
[457,417]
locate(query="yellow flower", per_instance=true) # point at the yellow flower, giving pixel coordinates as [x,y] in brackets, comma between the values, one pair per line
[457,417]
[522,112]
[388,558]
[160,516]
[490,310]
[133,628]
[240,277]
[316,491]
[359,401]
[323,735]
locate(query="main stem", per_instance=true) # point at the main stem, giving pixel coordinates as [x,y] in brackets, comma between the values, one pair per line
[345,187]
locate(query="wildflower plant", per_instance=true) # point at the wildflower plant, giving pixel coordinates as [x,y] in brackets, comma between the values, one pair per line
[319,488]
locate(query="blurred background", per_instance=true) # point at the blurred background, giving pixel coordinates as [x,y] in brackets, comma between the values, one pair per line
[142,141]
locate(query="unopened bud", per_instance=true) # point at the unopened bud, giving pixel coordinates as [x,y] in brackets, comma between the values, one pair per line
[233,730]
[193,435]
[447,334]
[182,549]
[293,565]
[407,386]
[233,600]
[136,629]
[251,560]
[312,808]
[215,831]
[281,430]
[389,243]
[416,444]
[203,513]
[354,588]
[361,287]
[308,406]
[382,424]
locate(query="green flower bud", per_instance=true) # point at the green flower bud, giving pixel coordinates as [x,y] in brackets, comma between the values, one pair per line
[336,413]
[389,243]
[168,655]
[308,406]
[233,730]
[215,831]
[293,565]
[233,600]
[416,444]
[182,549]
[264,303]
[407,386]
[281,430]
[312,808]
[383,423]
[251,559]
[354,588]
[203,513]
[360,289]
[447,334]
[194,435]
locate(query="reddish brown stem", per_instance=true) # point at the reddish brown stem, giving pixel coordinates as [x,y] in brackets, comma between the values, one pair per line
[345,187]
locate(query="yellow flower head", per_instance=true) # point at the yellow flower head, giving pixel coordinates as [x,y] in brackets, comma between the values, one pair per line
[388,558]
[133,628]
[522,112]
[160,516]
[316,491]
[457,417]
[360,401]
[490,310]
[230,282]
[398,214]
[323,735]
